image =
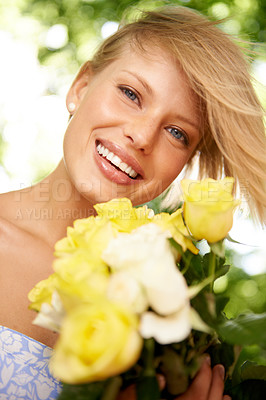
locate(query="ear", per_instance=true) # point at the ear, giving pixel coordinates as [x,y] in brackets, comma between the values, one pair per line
[79,87]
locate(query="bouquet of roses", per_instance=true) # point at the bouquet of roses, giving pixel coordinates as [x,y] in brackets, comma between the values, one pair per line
[131,297]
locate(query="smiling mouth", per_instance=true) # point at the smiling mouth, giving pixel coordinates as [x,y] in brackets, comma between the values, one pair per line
[116,161]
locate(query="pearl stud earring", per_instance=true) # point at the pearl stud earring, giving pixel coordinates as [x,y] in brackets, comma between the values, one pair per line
[71,107]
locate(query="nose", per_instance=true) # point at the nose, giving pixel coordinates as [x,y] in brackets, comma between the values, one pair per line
[143,133]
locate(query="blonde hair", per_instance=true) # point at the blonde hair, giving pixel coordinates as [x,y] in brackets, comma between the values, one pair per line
[233,138]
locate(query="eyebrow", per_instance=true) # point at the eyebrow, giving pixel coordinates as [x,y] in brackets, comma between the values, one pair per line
[187,120]
[144,84]
[149,90]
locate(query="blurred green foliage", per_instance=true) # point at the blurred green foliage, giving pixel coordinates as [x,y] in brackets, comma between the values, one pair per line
[246,293]
[84,19]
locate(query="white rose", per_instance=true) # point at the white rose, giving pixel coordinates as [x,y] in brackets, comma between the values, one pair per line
[146,255]
[170,329]
[166,290]
[51,315]
[128,249]
[125,289]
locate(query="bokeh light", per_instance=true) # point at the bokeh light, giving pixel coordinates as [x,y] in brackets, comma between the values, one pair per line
[56,37]
[108,29]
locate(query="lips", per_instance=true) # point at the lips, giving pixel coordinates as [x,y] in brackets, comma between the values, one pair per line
[115,160]
[116,163]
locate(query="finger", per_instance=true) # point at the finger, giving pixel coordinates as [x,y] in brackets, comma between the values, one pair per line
[161,381]
[128,394]
[226,397]
[201,384]
[217,383]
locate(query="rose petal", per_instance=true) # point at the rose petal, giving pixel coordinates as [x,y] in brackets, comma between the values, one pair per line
[165,330]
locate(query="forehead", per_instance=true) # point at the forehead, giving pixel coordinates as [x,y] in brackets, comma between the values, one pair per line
[145,56]
[148,51]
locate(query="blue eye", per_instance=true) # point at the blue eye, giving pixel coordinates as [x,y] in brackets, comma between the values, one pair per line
[129,93]
[179,134]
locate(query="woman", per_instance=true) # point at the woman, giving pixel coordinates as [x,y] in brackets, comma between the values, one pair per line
[159,92]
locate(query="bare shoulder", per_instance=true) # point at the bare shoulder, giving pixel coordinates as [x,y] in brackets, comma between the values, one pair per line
[24,261]
[16,245]
[15,230]
[10,206]
[20,247]
[9,233]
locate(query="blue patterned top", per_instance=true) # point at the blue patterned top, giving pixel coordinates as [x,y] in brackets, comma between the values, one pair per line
[24,371]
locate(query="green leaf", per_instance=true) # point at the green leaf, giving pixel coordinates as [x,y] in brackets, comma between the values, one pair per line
[199,268]
[198,271]
[91,391]
[204,304]
[244,330]
[148,388]
[254,354]
[247,390]
[221,302]
[222,353]
[147,385]
[173,368]
[112,388]
[251,370]
[195,289]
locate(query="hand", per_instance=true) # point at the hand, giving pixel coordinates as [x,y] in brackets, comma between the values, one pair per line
[208,384]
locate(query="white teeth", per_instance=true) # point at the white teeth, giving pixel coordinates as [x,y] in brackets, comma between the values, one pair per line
[123,166]
[110,156]
[133,174]
[114,159]
[100,149]
[128,170]
[105,152]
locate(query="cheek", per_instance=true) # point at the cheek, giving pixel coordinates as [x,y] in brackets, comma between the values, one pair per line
[96,109]
[170,166]
[92,113]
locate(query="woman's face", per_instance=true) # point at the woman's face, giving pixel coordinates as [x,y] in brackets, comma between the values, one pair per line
[135,127]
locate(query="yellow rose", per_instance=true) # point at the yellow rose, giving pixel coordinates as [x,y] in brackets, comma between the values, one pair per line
[208,207]
[96,342]
[42,292]
[123,216]
[175,225]
[79,278]
[89,234]
[78,267]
